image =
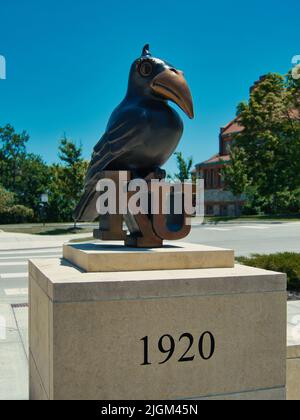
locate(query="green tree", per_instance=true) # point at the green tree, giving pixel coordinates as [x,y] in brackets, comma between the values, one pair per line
[266,154]
[7,199]
[184,167]
[67,181]
[235,175]
[12,154]
[74,170]
[24,174]
[33,181]
[10,212]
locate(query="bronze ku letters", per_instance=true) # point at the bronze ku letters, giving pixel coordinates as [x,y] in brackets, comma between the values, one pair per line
[146,230]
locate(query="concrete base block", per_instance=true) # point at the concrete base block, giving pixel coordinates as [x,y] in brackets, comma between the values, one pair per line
[174,334]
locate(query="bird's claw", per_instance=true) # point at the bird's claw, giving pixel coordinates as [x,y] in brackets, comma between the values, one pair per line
[158,173]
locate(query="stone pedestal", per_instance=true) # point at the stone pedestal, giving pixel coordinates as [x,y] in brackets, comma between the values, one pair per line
[217,333]
[113,256]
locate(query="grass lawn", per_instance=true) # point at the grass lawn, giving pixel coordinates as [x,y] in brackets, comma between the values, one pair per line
[285,262]
[49,229]
[68,228]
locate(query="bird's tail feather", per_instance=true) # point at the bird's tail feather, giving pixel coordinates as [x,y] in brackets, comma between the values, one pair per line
[86,210]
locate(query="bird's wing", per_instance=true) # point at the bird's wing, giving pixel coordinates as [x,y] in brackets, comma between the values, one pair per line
[123,134]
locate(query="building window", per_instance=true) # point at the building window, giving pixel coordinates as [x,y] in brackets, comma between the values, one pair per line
[224,210]
[222,181]
[206,181]
[219,183]
[209,210]
[212,178]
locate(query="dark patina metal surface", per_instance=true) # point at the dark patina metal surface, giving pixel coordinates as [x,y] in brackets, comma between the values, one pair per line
[143,131]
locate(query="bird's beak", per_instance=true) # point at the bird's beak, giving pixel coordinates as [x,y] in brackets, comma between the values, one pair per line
[172,85]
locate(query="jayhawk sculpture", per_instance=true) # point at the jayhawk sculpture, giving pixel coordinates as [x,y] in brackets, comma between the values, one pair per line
[143,131]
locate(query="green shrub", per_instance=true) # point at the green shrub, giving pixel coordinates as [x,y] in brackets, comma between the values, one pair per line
[16,214]
[6,199]
[286,262]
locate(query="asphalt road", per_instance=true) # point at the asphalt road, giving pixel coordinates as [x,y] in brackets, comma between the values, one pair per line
[247,239]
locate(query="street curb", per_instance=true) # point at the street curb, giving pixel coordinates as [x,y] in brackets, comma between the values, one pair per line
[274,222]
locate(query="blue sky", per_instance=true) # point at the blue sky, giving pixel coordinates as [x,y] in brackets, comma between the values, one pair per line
[68,61]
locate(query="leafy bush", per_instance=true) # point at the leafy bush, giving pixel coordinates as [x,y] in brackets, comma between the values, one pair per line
[6,199]
[282,202]
[16,214]
[286,262]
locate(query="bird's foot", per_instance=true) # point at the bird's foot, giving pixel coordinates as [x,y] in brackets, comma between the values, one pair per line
[158,173]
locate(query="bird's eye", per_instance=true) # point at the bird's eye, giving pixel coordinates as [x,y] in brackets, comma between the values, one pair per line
[146,69]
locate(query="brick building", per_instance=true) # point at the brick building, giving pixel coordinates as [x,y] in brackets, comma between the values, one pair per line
[218,200]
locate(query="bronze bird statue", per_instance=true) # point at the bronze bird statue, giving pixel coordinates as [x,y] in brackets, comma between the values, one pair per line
[143,131]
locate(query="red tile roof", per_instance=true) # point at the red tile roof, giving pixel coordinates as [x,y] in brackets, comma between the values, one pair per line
[215,159]
[233,127]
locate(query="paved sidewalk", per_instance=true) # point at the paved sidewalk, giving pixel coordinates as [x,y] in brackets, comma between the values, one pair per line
[293,328]
[13,355]
[14,241]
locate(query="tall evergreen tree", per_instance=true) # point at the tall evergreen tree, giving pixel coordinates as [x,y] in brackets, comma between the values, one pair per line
[67,181]
[184,167]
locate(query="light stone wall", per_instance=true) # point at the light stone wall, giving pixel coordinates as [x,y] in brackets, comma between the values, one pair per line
[221,196]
